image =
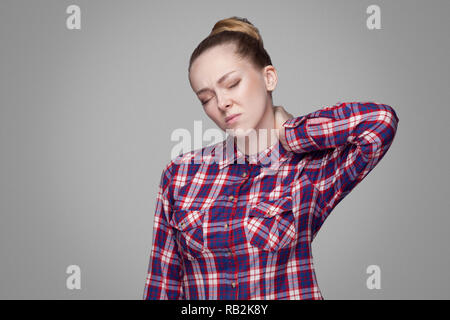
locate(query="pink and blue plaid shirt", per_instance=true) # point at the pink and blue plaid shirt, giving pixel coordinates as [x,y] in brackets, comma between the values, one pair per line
[242,228]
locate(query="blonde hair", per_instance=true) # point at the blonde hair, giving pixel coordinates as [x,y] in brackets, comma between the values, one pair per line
[239,25]
[243,34]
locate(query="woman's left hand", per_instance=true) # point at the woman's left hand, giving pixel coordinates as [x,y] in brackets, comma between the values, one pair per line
[281,116]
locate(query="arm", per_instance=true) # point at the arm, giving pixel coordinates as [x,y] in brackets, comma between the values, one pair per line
[346,142]
[165,266]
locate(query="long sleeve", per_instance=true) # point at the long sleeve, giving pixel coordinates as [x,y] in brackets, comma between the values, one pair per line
[165,272]
[346,142]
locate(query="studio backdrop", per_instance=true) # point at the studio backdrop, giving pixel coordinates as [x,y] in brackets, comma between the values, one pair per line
[91,93]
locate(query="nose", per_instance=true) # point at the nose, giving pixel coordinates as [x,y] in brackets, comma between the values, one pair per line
[223,102]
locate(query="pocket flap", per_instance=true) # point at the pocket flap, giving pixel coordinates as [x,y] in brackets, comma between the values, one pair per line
[187,219]
[269,209]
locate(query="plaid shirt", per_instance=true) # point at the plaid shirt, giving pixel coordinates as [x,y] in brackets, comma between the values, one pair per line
[243,229]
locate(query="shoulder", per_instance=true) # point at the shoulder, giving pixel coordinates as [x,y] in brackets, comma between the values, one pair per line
[188,162]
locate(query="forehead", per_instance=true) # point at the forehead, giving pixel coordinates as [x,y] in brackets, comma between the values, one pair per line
[214,63]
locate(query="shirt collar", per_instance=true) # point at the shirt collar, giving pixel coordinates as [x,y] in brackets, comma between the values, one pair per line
[269,158]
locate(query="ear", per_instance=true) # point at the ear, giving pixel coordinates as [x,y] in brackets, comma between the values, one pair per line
[270,77]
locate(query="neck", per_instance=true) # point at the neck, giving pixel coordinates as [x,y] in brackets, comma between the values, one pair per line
[262,137]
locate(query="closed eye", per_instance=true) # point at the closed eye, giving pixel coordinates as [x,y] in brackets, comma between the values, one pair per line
[234,85]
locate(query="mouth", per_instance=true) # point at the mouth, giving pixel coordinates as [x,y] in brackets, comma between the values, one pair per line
[232,118]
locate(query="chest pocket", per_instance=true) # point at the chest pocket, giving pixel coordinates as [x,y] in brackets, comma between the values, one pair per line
[188,225]
[270,225]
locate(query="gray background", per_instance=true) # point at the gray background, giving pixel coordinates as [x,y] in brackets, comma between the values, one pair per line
[86,117]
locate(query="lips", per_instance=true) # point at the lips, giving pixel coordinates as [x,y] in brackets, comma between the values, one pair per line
[231,117]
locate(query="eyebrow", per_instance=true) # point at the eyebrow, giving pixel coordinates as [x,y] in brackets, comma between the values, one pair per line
[222,79]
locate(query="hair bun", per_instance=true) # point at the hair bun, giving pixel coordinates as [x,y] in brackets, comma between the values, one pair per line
[237,24]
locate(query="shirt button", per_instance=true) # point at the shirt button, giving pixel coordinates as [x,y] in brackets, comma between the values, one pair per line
[244,174]
[231,198]
[190,257]
[233,284]
[226,226]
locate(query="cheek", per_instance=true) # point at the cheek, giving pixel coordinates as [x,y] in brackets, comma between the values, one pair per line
[212,115]
[255,100]
[256,93]
[215,116]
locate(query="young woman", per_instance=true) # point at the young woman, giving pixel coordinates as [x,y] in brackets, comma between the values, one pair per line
[239,224]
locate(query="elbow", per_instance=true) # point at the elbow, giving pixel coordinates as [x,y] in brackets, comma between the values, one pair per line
[386,127]
[390,121]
